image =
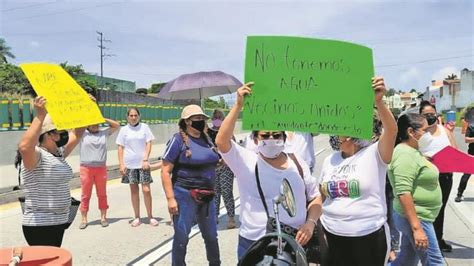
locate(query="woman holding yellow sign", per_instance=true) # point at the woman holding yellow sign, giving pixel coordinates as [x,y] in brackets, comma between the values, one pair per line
[46,176]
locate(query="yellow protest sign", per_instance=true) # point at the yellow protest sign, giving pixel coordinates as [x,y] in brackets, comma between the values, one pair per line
[67,103]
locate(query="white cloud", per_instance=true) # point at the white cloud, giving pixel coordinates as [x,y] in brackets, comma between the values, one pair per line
[34,44]
[444,72]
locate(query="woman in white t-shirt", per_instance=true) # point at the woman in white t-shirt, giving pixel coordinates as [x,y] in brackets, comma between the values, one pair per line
[436,139]
[134,147]
[266,170]
[353,189]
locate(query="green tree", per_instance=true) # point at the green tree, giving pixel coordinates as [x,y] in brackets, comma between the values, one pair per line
[390,92]
[77,72]
[212,104]
[222,103]
[72,70]
[13,80]
[156,87]
[413,90]
[5,52]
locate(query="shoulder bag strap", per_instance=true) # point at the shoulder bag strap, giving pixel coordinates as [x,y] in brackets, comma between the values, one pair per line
[300,169]
[260,191]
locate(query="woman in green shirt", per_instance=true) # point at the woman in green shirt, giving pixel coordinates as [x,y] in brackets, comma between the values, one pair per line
[418,195]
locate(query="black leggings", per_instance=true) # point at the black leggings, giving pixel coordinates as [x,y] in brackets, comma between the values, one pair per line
[446,183]
[44,235]
[463,184]
[369,250]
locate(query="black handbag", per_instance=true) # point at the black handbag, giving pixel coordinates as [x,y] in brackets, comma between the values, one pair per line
[313,247]
[72,208]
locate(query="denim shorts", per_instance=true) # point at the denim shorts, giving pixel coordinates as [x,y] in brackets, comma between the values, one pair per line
[137,176]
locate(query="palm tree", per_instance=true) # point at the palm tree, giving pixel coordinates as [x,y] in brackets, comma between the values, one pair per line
[5,52]
[452,77]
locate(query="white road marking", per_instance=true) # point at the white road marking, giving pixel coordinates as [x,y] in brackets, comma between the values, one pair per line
[166,249]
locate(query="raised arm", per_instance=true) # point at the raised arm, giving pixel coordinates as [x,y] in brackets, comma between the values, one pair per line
[389,133]
[75,136]
[28,142]
[451,138]
[226,131]
[114,125]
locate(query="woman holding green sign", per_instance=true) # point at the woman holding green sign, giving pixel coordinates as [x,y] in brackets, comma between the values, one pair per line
[259,175]
[353,189]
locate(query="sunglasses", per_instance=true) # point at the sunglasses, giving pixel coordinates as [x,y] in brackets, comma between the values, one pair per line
[274,135]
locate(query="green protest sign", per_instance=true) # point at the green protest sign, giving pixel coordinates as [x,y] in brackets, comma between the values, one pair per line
[310,85]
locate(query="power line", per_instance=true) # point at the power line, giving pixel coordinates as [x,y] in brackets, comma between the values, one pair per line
[62,12]
[426,61]
[25,7]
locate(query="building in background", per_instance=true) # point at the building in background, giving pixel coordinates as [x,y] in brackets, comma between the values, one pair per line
[452,94]
[113,84]
[394,101]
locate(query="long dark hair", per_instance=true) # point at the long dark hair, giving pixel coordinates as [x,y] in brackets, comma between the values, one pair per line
[406,121]
[185,137]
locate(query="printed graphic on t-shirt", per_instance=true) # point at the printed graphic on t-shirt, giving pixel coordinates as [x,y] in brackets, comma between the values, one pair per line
[343,183]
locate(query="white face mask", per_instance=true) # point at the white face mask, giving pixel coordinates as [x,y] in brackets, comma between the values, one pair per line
[424,140]
[271,148]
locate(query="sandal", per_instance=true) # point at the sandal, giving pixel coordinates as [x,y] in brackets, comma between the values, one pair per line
[154,222]
[82,225]
[136,222]
[104,223]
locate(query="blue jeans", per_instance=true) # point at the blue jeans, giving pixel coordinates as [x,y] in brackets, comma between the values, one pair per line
[205,215]
[409,254]
[244,245]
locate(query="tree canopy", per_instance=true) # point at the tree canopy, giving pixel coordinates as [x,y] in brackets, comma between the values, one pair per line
[5,52]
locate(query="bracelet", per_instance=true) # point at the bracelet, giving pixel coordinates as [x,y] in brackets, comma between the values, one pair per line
[313,221]
[145,160]
[17,259]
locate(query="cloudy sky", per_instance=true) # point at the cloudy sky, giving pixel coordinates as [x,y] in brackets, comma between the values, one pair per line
[414,41]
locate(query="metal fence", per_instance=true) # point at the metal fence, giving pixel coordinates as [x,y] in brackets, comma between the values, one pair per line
[17,114]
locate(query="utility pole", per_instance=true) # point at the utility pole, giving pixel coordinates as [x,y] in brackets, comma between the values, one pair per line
[102,55]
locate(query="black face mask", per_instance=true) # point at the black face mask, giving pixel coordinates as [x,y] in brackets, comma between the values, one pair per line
[198,125]
[63,139]
[431,119]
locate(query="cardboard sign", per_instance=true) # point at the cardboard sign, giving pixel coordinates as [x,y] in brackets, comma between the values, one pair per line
[67,103]
[310,85]
[450,160]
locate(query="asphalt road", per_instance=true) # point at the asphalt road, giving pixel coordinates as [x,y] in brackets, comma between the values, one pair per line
[121,244]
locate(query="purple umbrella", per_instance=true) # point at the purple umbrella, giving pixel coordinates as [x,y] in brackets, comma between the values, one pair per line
[199,85]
